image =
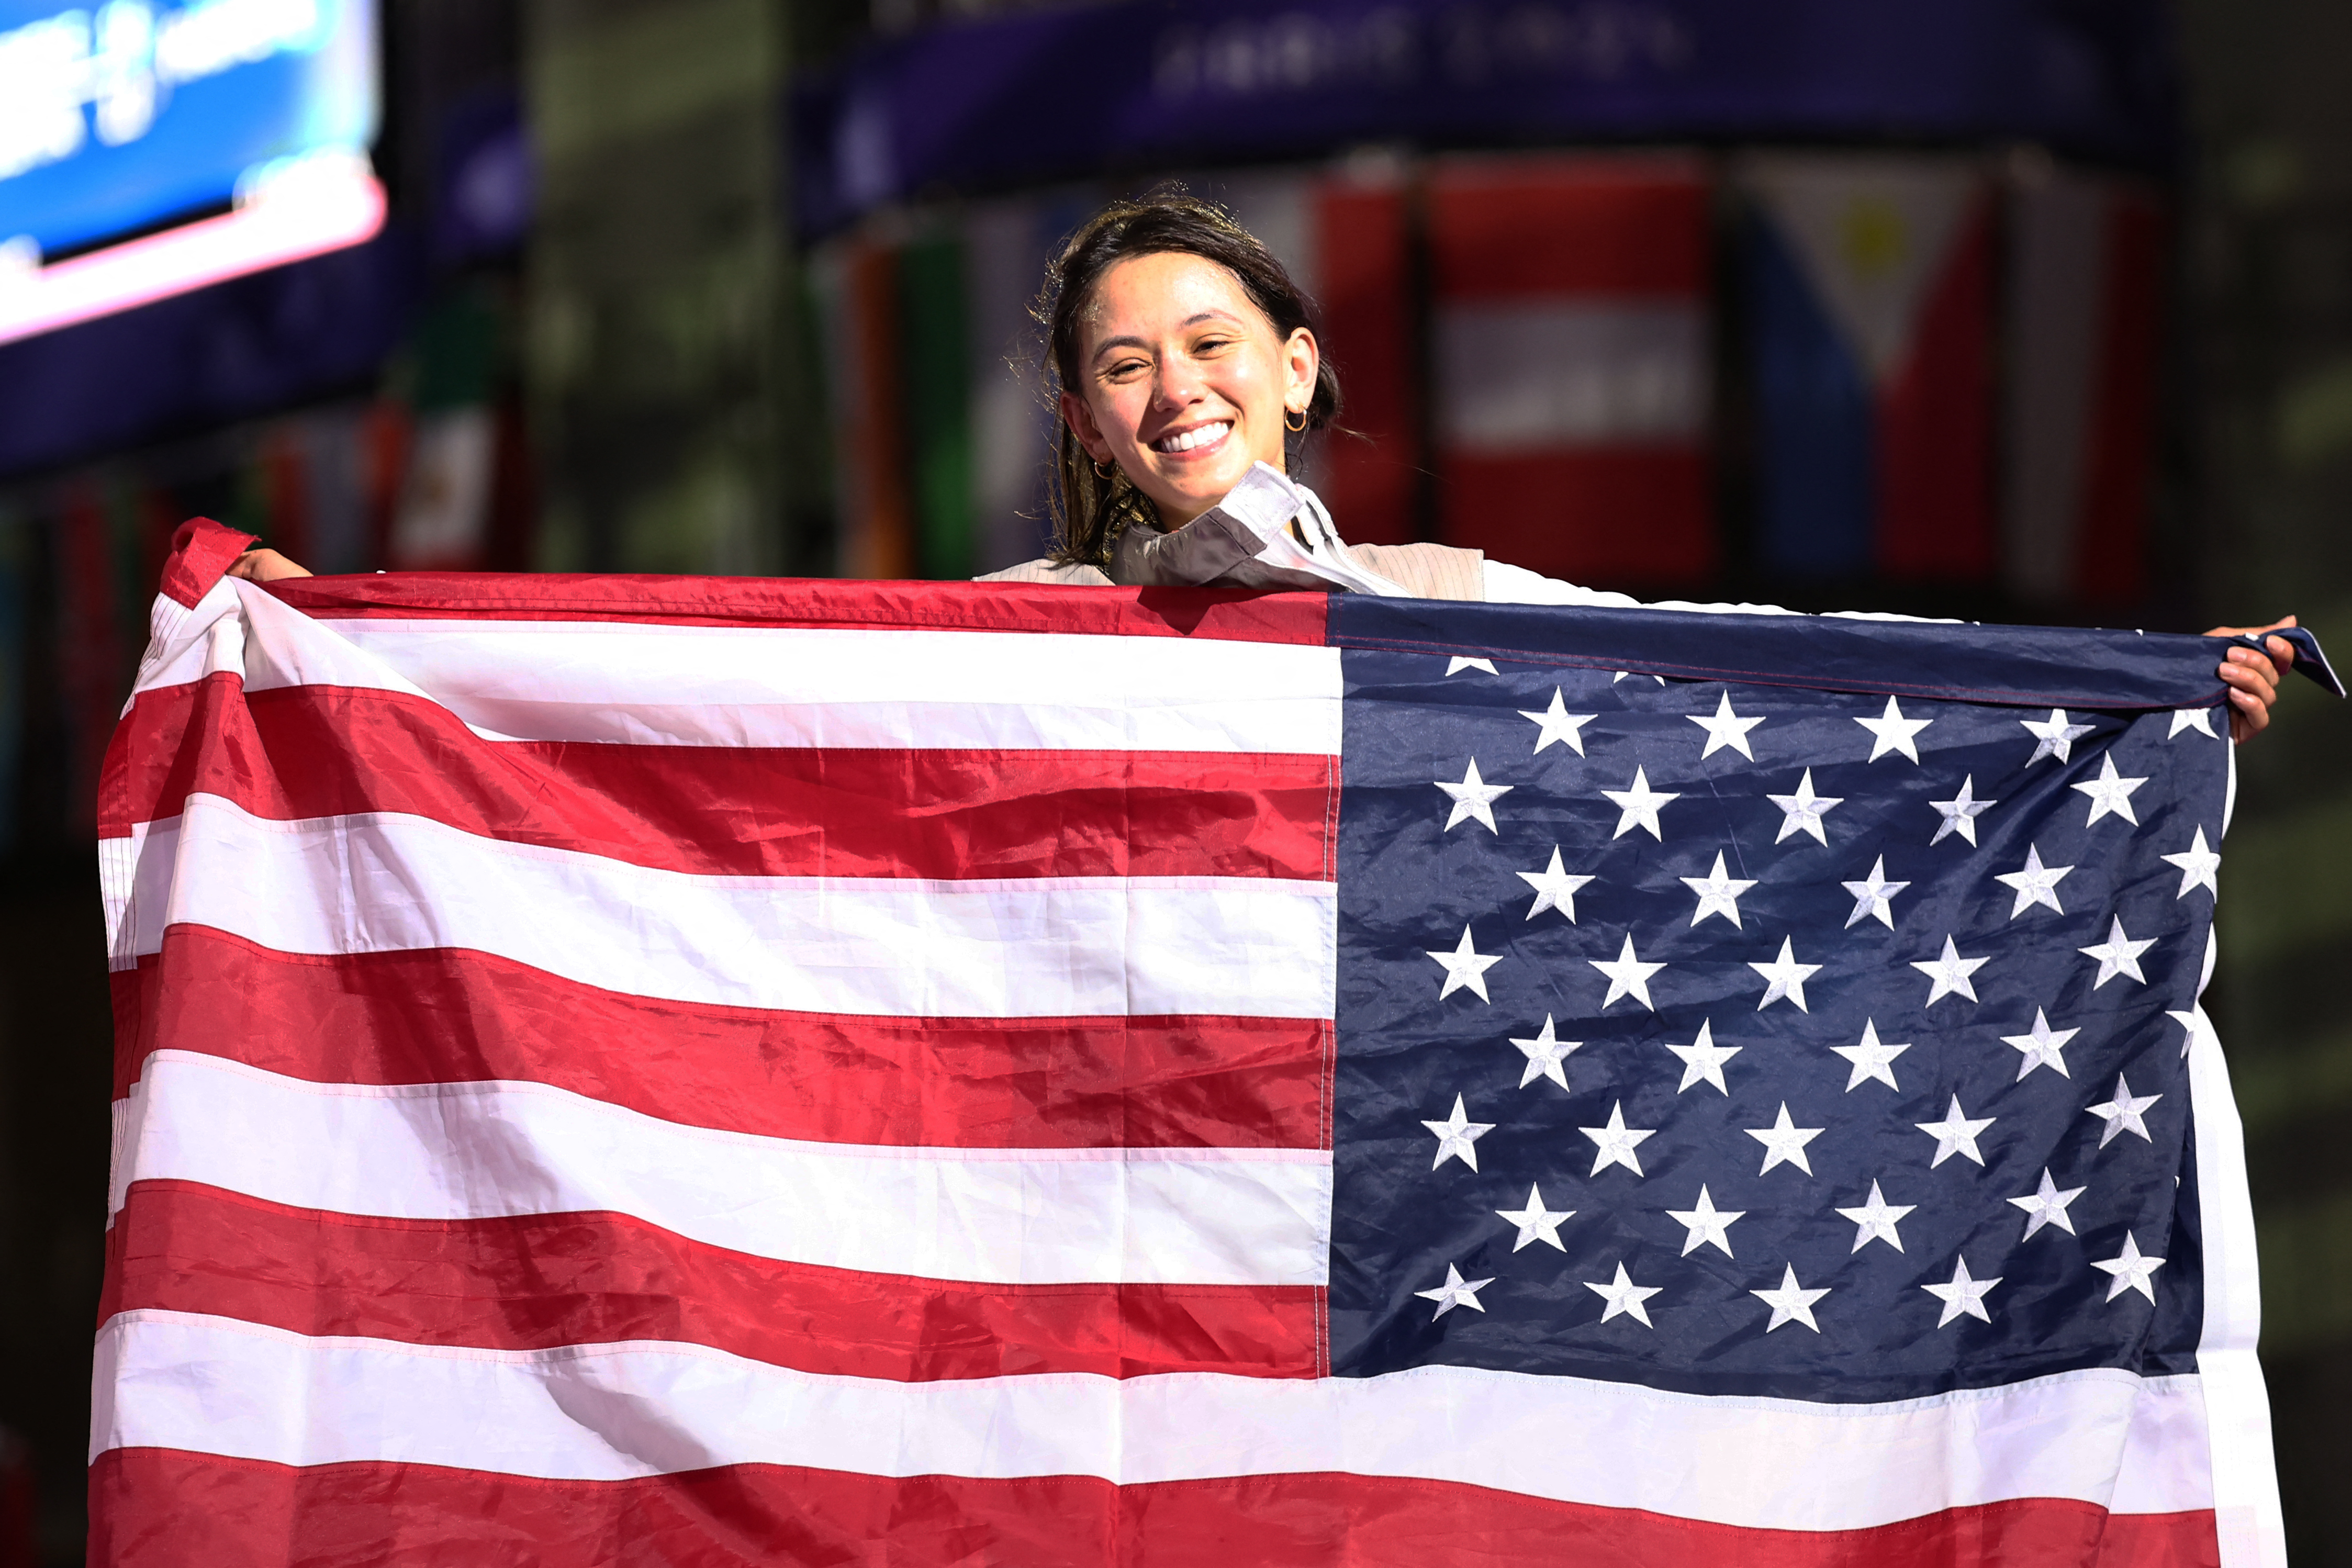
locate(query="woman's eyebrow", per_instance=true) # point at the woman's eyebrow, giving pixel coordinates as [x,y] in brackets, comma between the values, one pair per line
[1130,341]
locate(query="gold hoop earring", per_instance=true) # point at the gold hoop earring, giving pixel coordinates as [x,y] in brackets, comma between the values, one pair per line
[1104,470]
[1298,428]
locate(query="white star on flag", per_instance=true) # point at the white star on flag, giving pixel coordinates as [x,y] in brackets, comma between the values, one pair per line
[2198,719]
[1706,1225]
[1623,674]
[1457,1137]
[1536,1222]
[1637,806]
[1873,898]
[1960,813]
[2034,883]
[2126,1112]
[1802,812]
[1962,1296]
[1546,1055]
[1465,968]
[1791,1303]
[1956,1134]
[1624,1296]
[1615,1144]
[1877,1220]
[1784,1142]
[1703,1059]
[1555,888]
[2043,1048]
[1473,799]
[1717,894]
[1455,1292]
[2197,864]
[1628,976]
[1725,729]
[1784,977]
[2053,736]
[1458,663]
[2116,955]
[1872,1059]
[1890,731]
[2110,793]
[2047,1205]
[2132,1271]
[1556,723]
[1951,973]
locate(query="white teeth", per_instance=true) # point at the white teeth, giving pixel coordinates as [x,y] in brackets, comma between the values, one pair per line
[1200,436]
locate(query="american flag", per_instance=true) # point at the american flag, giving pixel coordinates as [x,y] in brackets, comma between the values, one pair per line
[695,1071]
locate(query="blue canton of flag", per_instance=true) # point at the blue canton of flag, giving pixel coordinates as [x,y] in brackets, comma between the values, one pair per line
[1739,1038]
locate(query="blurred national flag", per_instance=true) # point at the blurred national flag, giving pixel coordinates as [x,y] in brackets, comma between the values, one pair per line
[1869,301]
[1571,364]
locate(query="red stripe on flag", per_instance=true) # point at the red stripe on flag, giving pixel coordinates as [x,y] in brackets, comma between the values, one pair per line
[157,1506]
[444,1016]
[305,752]
[1218,614]
[540,1281]
[202,552]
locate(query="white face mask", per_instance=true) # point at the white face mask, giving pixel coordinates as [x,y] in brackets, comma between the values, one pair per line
[1245,541]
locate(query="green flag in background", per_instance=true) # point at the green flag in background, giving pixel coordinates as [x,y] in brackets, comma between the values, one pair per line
[934,355]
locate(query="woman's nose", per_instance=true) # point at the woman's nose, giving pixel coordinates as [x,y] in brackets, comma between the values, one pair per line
[1177,383]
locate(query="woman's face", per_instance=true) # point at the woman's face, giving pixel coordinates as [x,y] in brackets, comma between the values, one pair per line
[1182,382]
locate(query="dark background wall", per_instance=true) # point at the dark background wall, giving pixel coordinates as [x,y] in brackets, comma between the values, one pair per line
[2266,331]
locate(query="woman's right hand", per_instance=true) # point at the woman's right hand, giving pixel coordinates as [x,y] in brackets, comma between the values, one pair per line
[2252,677]
[265,566]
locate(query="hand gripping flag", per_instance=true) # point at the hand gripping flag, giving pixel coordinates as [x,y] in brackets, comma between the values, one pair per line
[694,1071]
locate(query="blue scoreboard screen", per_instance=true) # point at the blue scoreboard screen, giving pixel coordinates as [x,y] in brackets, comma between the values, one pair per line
[147,147]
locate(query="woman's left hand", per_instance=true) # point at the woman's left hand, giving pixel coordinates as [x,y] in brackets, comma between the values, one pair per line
[266,566]
[2252,677]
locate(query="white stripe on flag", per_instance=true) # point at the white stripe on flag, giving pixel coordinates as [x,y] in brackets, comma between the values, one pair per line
[2247,1515]
[650,684]
[1033,947]
[1543,375]
[481,1150]
[617,1411]
[192,642]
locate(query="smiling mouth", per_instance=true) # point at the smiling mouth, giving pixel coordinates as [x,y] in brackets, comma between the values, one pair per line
[1189,440]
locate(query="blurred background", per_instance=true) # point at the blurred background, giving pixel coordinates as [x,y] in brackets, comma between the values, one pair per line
[2027,310]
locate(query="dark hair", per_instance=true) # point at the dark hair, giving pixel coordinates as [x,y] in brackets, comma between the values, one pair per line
[1090,511]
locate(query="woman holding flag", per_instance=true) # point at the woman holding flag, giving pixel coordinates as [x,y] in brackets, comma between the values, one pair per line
[1183,364]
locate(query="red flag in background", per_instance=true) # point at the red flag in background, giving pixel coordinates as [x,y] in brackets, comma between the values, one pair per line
[1370,478]
[859,317]
[1344,235]
[1571,365]
[2085,261]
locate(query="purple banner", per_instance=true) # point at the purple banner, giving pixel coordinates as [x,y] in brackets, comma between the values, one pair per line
[1069,94]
